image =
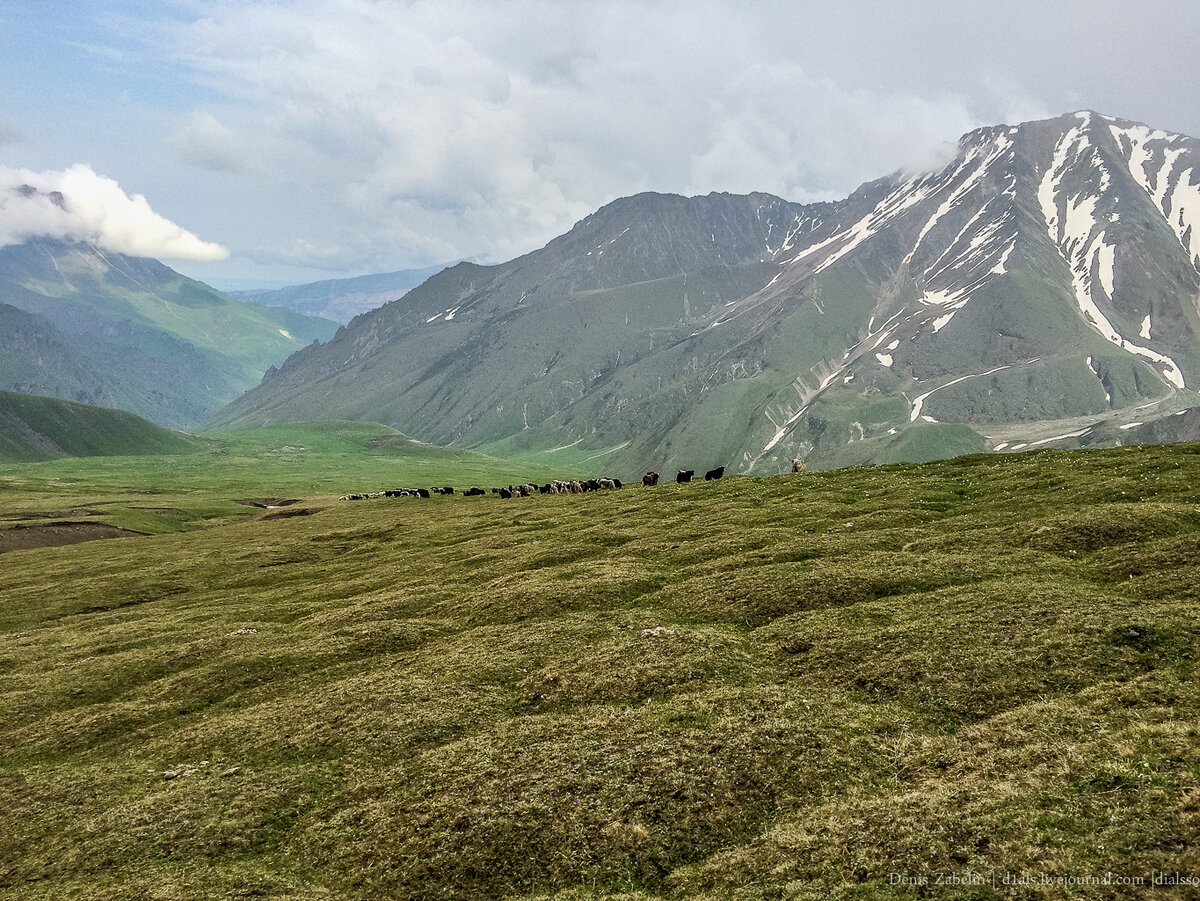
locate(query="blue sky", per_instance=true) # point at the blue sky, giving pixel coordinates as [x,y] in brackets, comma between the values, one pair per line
[315,140]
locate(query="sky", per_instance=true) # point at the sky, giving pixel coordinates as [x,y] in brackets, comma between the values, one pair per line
[258,143]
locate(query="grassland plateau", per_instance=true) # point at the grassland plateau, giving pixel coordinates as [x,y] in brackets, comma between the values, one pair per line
[842,684]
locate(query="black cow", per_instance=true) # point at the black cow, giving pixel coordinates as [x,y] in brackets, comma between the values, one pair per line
[685,476]
[714,474]
[650,479]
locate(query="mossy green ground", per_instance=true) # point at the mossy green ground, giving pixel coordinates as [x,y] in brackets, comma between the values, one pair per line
[316,461]
[824,686]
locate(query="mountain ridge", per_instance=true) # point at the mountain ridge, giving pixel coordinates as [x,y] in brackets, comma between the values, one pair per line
[1048,273]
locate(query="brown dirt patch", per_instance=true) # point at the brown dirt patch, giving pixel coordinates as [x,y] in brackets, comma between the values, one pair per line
[290,511]
[55,514]
[56,534]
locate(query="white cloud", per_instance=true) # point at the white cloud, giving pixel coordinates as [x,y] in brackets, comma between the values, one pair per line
[206,142]
[76,204]
[460,128]
[384,134]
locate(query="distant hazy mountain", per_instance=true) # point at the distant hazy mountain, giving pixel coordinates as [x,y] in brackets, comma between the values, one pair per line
[344,298]
[1040,290]
[87,325]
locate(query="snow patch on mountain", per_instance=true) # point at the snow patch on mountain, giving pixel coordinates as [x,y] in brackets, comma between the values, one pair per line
[1080,235]
[919,401]
[1095,370]
[1157,162]
[901,199]
[1001,148]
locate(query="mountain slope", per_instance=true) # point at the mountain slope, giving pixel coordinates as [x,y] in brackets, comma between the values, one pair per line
[133,333]
[36,428]
[1041,283]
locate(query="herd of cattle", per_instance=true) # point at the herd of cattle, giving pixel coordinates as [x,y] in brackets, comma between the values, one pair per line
[558,486]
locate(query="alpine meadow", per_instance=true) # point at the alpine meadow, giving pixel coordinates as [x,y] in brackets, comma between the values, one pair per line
[412,605]
[805,686]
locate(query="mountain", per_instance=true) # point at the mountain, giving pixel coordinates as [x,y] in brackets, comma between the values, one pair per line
[36,428]
[341,299]
[1040,289]
[84,324]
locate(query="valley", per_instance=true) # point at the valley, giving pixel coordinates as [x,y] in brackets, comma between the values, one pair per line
[631,451]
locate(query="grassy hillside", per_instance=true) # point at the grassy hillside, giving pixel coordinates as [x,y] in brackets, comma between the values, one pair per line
[103,328]
[823,686]
[42,428]
[207,487]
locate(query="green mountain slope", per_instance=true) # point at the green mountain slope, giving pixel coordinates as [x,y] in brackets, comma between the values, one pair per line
[156,343]
[1038,289]
[42,428]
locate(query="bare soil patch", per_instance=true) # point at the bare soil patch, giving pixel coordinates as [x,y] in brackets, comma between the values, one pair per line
[55,514]
[289,512]
[56,534]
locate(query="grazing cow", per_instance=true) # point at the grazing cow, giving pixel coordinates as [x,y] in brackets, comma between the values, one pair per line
[474,492]
[713,474]
[799,466]
[617,482]
[505,493]
[576,487]
[608,484]
[424,492]
[685,476]
[650,479]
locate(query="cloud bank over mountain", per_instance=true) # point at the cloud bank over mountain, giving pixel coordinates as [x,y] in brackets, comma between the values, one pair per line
[461,128]
[76,204]
[338,137]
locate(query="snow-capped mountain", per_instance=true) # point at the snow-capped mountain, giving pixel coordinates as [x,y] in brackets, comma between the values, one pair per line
[1040,290]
